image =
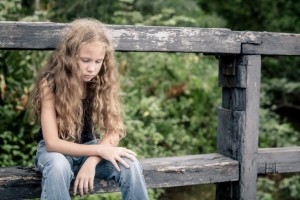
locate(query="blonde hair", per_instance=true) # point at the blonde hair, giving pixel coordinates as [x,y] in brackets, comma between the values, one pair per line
[63,75]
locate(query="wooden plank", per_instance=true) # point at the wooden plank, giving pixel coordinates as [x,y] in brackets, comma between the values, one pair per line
[230,125]
[238,133]
[239,78]
[234,98]
[278,160]
[249,137]
[273,44]
[18,183]
[45,36]
[31,35]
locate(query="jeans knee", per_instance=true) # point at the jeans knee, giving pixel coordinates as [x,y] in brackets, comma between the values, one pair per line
[135,168]
[58,166]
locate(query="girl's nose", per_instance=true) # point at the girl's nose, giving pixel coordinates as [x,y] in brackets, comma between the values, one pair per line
[90,68]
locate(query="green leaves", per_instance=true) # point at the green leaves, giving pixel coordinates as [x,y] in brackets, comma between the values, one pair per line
[166,100]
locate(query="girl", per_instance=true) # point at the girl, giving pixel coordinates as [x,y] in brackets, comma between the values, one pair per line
[75,96]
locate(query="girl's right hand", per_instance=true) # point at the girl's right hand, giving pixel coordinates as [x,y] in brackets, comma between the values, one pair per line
[114,154]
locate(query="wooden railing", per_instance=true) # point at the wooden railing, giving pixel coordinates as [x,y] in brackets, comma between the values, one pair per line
[235,165]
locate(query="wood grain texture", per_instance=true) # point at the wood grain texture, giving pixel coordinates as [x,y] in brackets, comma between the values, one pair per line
[278,160]
[17,35]
[249,136]
[45,36]
[230,125]
[238,130]
[234,98]
[238,65]
[17,183]
[268,43]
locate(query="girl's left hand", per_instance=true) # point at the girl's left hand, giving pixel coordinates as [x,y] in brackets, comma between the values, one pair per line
[84,181]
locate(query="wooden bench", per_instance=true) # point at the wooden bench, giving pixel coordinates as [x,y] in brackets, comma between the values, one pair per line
[238,160]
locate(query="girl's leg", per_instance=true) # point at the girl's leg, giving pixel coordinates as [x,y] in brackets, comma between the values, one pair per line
[57,174]
[131,180]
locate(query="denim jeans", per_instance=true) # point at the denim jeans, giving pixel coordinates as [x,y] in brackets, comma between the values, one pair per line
[59,170]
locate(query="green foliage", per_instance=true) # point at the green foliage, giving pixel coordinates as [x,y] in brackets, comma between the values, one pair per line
[265,188]
[17,72]
[290,187]
[267,15]
[277,187]
[166,98]
[274,131]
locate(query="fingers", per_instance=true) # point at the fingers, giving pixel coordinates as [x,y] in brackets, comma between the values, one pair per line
[83,186]
[120,160]
[117,154]
[131,152]
[86,187]
[91,183]
[116,165]
[75,186]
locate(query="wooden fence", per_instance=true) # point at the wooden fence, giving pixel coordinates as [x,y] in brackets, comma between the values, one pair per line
[235,165]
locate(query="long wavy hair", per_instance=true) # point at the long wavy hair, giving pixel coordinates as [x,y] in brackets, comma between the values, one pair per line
[63,76]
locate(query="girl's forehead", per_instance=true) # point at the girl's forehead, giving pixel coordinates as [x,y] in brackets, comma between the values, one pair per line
[93,47]
[91,44]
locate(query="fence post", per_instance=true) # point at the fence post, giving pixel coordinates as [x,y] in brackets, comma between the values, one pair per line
[238,122]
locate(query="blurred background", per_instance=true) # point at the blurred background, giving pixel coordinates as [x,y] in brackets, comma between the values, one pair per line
[170,100]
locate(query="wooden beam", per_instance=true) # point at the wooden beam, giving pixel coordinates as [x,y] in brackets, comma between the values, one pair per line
[278,160]
[249,137]
[268,43]
[238,126]
[31,35]
[45,36]
[18,183]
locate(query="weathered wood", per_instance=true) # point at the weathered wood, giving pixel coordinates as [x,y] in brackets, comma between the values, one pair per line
[234,98]
[230,125]
[238,133]
[33,35]
[17,183]
[269,160]
[267,43]
[249,136]
[278,160]
[18,35]
[237,65]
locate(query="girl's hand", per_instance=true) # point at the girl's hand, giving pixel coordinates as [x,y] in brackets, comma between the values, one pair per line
[114,154]
[85,178]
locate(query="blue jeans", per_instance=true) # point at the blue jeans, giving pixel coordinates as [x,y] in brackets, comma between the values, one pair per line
[59,170]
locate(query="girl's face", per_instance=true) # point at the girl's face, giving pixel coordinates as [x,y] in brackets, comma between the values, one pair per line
[90,59]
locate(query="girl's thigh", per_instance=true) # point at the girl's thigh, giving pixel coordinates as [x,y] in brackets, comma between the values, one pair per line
[45,158]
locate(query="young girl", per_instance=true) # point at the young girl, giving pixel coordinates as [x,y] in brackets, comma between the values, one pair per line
[75,96]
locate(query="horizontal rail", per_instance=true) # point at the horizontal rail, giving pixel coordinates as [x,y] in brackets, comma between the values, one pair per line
[45,36]
[278,160]
[18,183]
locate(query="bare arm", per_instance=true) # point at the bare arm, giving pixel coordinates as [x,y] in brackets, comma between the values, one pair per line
[50,130]
[106,149]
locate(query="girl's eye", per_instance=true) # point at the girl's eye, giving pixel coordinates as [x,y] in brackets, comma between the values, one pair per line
[98,62]
[84,60]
